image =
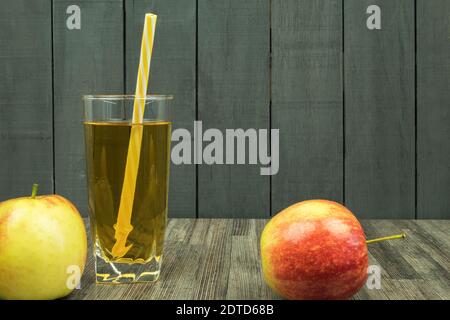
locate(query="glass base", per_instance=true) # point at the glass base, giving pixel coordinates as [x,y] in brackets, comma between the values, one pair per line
[118,272]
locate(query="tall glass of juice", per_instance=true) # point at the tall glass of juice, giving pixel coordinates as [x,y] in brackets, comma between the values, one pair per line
[108,130]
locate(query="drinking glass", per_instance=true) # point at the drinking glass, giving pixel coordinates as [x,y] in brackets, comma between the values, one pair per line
[108,128]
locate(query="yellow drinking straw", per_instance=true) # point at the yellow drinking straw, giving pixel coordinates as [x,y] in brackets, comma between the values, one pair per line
[123,226]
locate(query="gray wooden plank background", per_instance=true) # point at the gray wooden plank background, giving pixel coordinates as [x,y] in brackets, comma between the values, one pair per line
[379,110]
[86,61]
[26,134]
[307,100]
[350,104]
[433,109]
[233,92]
[173,71]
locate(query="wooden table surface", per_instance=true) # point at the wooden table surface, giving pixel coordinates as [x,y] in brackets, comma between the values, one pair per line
[219,259]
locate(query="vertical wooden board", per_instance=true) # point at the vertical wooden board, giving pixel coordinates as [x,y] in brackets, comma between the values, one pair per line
[307,100]
[86,61]
[433,113]
[233,92]
[173,71]
[26,145]
[379,110]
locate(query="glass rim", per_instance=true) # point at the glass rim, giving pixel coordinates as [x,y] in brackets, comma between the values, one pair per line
[151,97]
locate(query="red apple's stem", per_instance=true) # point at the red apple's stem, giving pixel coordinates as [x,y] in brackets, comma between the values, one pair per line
[34,190]
[397,236]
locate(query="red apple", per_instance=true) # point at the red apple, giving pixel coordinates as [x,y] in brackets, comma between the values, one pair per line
[314,249]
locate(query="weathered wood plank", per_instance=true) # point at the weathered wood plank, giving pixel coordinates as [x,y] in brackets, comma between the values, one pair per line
[307,100]
[412,268]
[213,272]
[245,278]
[219,259]
[177,280]
[434,246]
[233,92]
[433,115]
[26,138]
[86,61]
[379,110]
[417,249]
[173,71]
[365,293]
[389,253]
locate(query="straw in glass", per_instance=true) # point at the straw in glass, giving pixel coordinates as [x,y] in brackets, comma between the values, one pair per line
[123,225]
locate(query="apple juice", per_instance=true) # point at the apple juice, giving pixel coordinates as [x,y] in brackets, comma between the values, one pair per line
[106,154]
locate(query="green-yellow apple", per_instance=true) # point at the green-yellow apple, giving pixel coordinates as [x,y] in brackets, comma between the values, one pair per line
[314,249]
[42,245]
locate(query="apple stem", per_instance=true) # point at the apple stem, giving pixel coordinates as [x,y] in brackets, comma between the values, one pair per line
[397,236]
[34,190]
